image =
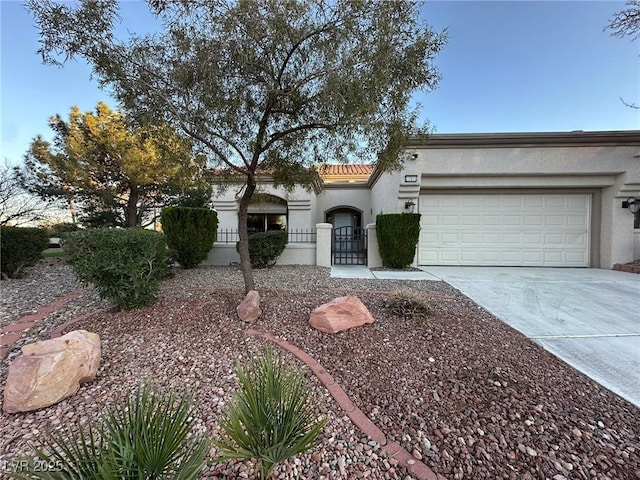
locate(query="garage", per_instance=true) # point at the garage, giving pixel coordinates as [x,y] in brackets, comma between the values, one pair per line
[505,229]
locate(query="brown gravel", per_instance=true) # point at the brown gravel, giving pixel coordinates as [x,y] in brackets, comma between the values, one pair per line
[466,394]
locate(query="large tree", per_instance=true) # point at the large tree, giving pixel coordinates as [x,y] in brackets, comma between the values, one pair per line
[263,84]
[115,172]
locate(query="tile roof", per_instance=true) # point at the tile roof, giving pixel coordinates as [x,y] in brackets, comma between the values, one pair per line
[364,169]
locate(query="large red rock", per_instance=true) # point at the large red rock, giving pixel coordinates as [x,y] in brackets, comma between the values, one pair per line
[340,314]
[51,370]
[249,309]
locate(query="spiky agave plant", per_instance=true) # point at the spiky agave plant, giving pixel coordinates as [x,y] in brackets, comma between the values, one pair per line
[271,418]
[146,437]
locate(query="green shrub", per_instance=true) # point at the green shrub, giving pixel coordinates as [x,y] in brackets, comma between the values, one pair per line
[398,235]
[59,229]
[272,417]
[190,233]
[266,247]
[149,436]
[125,265]
[20,248]
[408,304]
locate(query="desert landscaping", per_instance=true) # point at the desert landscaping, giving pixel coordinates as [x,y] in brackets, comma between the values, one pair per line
[460,391]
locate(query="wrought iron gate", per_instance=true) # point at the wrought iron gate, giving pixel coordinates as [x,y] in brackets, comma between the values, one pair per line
[349,246]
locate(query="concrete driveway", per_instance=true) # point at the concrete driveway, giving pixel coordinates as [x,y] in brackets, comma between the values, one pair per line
[590,318]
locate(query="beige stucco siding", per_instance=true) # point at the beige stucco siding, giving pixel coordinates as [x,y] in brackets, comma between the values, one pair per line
[610,173]
[333,197]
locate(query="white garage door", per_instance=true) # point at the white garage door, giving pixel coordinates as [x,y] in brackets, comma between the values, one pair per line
[550,230]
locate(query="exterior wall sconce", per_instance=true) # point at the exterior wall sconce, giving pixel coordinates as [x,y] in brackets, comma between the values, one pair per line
[409,205]
[633,204]
[410,178]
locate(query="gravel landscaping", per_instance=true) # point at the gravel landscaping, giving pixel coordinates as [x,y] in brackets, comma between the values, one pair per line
[463,392]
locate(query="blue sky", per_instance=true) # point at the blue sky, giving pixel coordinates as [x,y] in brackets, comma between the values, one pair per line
[508,66]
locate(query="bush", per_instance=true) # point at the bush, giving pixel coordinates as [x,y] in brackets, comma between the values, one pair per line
[148,436]
[272,417]
[59,229]
[408,304]
[125,265]
[20,248]
[266,247]
[398,235]
[190,233]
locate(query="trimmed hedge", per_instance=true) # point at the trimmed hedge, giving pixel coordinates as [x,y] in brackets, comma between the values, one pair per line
[125,265]
[266,247]
[190,233]
[59,229]
[20,248]
[398,235]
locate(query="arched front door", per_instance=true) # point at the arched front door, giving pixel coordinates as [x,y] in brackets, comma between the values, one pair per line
[349,245]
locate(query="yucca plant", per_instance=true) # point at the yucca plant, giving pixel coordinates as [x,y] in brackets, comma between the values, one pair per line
[147,437]
[271,418]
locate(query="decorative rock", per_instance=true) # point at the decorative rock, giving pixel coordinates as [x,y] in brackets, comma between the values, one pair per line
[340,314]
[51,370]
[249,309]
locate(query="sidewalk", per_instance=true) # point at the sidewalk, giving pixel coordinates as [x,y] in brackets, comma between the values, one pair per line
[361,271]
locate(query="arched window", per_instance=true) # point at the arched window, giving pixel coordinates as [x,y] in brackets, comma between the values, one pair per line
[267,213]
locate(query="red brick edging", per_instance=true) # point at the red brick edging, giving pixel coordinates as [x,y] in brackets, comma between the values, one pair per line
[13,332]
[627,268]
[414,466]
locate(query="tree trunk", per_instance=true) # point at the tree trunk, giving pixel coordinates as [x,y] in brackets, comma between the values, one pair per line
[243,232]
[131,219]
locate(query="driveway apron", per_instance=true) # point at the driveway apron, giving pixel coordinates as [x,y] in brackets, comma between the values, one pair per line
[590,318]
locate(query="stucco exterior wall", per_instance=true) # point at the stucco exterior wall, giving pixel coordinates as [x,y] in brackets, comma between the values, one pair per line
[301,206]
[610,172]
[385,194]
[604,165]
[331,197]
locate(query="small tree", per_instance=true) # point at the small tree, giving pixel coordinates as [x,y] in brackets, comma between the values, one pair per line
[278,86]
[190,233]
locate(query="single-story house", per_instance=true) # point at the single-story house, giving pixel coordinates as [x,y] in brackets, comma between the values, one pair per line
[499,199]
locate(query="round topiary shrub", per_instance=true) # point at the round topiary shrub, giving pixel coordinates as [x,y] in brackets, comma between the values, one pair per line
[266,247]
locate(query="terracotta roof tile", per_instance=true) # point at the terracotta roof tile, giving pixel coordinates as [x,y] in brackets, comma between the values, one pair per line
[345,169]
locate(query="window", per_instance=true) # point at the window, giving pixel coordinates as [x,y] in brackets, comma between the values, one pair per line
[266,222]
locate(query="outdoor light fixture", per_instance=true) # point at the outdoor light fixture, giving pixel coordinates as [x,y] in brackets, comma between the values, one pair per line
[633,204]
[409,205]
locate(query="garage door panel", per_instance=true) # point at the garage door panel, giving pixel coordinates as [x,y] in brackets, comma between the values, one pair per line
[449,238]
[576,220]
[577,239]
[554,220]
[505,229]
